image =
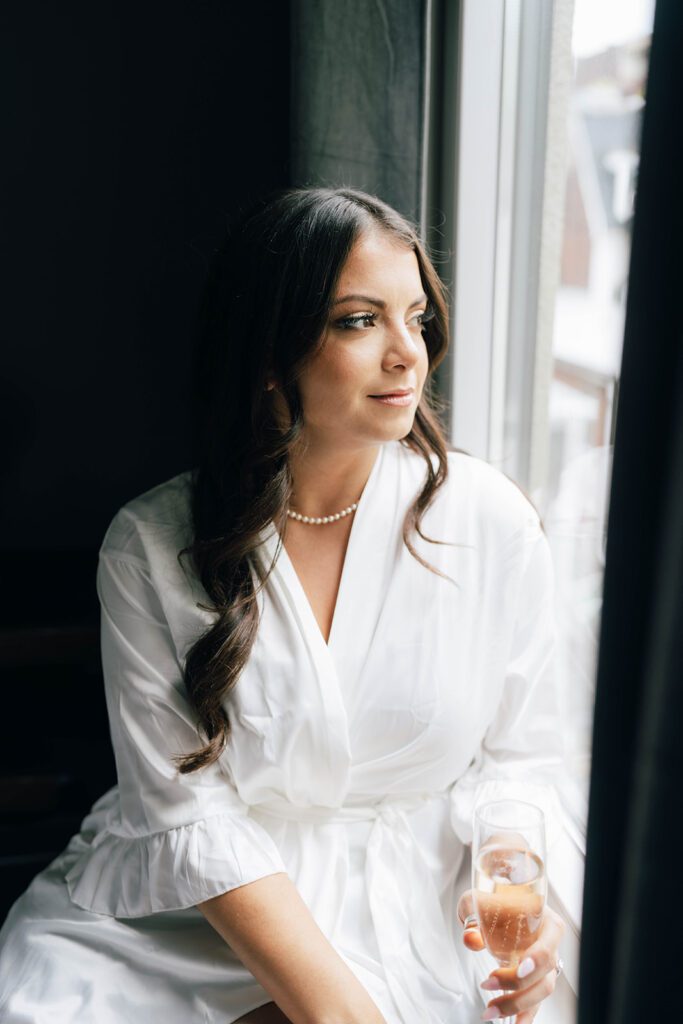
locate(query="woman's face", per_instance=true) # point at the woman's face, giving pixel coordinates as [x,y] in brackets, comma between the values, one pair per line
[373,344]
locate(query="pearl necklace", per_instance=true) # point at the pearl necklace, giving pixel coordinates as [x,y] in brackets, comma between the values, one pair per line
[317,520]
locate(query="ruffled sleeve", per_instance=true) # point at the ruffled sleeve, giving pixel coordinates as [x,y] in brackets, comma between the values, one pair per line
[176,840]
[521,756]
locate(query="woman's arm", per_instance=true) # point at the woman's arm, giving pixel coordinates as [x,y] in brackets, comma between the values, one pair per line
[273,933]
[189,840]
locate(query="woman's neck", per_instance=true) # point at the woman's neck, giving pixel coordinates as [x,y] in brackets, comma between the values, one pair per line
[328,479]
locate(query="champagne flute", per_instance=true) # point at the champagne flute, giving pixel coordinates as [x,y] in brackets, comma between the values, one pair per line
[509,877]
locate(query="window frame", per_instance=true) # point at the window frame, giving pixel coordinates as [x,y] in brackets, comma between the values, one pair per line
[493,171]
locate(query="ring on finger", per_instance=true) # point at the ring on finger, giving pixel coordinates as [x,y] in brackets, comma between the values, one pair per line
[559,966]
[470,922]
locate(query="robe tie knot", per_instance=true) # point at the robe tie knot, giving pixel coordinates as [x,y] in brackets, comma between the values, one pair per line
[413,936]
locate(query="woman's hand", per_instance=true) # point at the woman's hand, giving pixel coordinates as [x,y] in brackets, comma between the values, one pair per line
[521,995]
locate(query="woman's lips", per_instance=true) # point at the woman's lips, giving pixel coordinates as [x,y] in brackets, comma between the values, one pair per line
[399,400]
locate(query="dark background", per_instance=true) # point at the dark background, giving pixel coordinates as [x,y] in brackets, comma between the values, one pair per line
[132,132]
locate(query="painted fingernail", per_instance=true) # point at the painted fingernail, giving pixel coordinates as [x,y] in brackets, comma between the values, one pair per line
[491,984]
[525,968]
[492,1013]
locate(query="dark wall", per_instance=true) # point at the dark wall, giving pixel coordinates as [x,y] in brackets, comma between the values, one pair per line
[132,130]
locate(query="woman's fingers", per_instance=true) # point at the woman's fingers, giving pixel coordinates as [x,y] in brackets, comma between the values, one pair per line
[534,978]
[539,959]
[471,935]
[527,1017]
[472,939]
[465,906]
[518,1002]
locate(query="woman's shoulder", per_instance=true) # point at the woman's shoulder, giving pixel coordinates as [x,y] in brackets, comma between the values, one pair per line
[156,520]
[491,489]
[477,492]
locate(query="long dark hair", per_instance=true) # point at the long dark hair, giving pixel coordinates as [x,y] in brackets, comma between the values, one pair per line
[267,302]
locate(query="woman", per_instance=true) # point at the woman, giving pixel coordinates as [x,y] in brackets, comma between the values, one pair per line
[321,649]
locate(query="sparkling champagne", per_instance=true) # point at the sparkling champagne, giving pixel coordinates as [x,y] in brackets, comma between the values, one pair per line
[509,895]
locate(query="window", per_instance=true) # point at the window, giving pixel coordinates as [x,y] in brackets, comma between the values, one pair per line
[610,56]
[548,106]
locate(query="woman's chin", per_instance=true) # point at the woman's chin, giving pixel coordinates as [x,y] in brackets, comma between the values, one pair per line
[394,431]
[395,419]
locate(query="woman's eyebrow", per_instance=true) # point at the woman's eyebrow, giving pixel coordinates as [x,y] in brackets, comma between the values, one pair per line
[420,301]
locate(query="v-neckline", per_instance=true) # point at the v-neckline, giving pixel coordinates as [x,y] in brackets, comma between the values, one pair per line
[351,545]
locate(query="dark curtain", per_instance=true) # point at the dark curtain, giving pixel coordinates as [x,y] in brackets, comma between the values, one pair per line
[629,951]
[357,114]
[131,131]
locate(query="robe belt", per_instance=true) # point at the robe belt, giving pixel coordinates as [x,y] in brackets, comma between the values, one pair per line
[412,935]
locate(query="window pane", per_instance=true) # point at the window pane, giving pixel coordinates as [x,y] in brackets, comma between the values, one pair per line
[610,50]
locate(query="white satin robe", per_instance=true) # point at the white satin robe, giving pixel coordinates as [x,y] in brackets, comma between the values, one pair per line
[354,766]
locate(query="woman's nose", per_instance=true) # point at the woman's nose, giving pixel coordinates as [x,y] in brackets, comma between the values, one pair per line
[403,346]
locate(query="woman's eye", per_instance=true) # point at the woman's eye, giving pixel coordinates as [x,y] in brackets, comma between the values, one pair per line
[421,318]
[356,321]
[359,321]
